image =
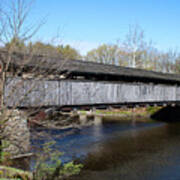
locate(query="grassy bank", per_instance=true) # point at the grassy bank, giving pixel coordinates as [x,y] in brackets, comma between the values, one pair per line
[138,113]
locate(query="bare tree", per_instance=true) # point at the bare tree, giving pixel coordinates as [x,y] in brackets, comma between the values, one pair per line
[15,22]
[18,64]
[168,60]
[14,30]
[134,44]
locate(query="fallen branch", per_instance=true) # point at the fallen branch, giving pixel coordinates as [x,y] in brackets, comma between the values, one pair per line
[22,156]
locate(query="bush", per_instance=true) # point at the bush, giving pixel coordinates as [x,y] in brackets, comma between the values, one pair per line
[49,165]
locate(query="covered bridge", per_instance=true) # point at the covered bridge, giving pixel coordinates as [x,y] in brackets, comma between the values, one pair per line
[35,81]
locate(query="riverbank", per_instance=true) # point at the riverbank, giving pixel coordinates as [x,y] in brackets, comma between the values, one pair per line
[59,120]
[140,114]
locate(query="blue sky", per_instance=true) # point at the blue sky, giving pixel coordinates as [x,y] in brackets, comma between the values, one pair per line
[85,24]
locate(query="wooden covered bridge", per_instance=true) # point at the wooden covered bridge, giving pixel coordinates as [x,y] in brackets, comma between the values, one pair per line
[52,82]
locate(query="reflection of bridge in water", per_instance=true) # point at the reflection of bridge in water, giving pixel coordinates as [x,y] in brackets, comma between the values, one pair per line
[83,84]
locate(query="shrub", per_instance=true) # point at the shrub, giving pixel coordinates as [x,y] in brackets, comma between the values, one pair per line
[49,165]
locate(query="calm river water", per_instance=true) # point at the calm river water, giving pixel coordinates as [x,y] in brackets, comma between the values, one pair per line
[124,150]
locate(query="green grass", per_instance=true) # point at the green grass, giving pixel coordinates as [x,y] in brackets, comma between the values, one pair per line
[128,112]
[152,110]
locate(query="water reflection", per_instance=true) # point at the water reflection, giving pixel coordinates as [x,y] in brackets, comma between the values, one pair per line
[125,150]
[138,154]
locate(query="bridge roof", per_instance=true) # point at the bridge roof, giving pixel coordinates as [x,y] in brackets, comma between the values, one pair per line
[92,70]
[124,73]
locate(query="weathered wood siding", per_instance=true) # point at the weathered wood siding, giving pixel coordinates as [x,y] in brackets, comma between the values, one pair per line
[68,92]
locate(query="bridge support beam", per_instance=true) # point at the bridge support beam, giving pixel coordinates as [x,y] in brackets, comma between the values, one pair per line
[173,105]
[97,120]
[83,119]
[15,133]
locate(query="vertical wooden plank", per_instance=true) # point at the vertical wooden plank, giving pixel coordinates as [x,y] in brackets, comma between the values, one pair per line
[65,93]
[37,93]
[51,89]
[13,91]
[28,85]
[80,93]
[177,93]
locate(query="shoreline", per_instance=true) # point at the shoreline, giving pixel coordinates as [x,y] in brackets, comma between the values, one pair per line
[72,120]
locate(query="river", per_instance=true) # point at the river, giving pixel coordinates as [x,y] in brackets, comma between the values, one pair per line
[124,150]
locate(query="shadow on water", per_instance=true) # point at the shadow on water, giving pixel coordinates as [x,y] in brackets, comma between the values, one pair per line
[168,114]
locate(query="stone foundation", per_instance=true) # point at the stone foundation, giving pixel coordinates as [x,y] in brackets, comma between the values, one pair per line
[15,132]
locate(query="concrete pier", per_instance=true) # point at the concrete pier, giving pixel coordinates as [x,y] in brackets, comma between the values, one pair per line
[83,119]
[97,120]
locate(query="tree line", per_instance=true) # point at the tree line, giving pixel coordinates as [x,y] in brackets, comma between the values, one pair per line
[40,48]
[134,51]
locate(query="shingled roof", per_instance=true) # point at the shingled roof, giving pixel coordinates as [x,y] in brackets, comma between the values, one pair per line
[92,69]
[97,69]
